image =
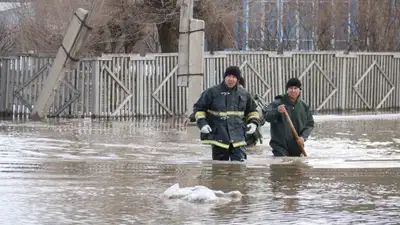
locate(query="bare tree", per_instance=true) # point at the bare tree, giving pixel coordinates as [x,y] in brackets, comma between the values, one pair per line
[127,26]
[151,40]
[219,18]
[7,38]
[325,26]
[121,29]
[123,25]
[328,25]
[265,27]
[375,27]
[43,24]
[112,29]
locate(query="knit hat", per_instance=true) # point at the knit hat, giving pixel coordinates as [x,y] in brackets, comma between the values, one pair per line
[293,82]
[233,70]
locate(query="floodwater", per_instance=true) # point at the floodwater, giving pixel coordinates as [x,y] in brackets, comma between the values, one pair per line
[88,171]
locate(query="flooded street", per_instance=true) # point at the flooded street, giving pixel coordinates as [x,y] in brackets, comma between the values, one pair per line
[91,171]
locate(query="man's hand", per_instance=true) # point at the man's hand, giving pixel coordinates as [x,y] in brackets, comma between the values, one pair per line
[281,108]
[206,129]
[252,128]
[300,141]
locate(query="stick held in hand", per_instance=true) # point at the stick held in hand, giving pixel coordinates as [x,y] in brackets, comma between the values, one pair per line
[295,133]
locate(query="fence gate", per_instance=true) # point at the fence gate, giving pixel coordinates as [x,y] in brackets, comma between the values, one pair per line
[137,85]
[319,83]
[168,97]
[113,86]
[21,91]
[157,92]
[380,85]
[254,81]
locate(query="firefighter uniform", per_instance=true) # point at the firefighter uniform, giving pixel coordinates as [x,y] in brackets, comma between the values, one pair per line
[227,111]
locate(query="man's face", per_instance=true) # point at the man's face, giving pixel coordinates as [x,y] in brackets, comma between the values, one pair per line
[231,81]
[293,92]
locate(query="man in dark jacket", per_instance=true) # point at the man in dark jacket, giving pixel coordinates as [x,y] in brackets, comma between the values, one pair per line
[283,142]
[225,113]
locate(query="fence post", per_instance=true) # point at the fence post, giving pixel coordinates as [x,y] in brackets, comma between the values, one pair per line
[3,83]
[96,88]
[343,84]
[396,82]
[280,76]
[1,87]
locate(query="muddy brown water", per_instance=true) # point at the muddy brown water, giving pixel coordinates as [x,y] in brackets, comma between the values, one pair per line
[88,171]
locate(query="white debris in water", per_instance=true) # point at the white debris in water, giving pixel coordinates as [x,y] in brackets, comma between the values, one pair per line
[200,194]
[397,140]
[342,133]
[383,116]
[377,143]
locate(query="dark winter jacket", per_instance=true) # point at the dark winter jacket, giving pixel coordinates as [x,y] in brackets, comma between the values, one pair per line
[227,111]
[281,134]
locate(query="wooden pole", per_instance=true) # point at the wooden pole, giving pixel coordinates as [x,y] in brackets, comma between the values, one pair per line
[295,133]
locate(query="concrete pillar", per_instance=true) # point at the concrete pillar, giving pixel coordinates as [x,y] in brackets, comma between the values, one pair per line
[3,85]
[183,46]
[72,42]
[191,54]
[96,88]
[196,63]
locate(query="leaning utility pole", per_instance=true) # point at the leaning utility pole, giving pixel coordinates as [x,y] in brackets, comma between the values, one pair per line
[67,57]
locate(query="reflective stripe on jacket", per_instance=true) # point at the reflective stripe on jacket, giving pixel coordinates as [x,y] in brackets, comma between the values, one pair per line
[227,111]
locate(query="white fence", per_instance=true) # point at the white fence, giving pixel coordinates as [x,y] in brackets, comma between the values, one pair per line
[132,85]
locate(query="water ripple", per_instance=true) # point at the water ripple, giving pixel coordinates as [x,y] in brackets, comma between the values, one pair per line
[113,172]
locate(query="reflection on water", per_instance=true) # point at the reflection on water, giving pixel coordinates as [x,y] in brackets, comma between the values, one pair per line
[287,181]
[114,172]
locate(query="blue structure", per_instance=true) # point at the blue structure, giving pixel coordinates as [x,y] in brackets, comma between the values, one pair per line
[237,32]
[278,9]
[245,24]
[354,14]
